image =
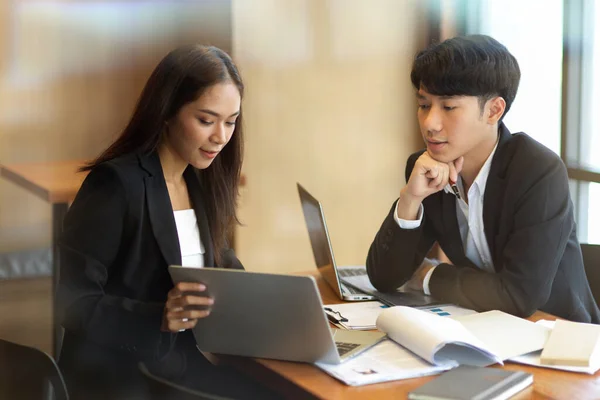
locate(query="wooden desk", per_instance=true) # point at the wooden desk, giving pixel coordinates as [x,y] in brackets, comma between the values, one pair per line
[299,380]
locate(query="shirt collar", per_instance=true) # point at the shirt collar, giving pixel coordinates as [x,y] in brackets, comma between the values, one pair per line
[481,179]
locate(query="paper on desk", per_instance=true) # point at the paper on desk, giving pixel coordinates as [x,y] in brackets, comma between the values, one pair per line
[363,315]
[533,358]
[386,361]
[506,335]
[360,315]
[448,310]
[436,339]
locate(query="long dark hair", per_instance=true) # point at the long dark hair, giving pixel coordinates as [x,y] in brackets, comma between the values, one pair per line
[180,78]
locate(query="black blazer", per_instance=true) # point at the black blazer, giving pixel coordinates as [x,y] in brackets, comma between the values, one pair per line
[118,239]
[530,229]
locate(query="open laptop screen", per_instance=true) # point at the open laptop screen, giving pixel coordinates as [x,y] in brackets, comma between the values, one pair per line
[319,237]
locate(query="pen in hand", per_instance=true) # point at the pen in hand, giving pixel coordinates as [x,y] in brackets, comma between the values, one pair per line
[455,189]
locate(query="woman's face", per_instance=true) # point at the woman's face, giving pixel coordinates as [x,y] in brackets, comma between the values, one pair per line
[202,128]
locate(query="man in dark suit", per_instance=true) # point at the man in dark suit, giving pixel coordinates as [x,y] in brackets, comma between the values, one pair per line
[497,203]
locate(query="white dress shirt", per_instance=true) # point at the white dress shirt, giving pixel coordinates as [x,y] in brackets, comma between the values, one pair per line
[192,249]
[470,221]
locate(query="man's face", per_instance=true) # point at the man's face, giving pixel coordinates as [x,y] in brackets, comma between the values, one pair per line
[451,126]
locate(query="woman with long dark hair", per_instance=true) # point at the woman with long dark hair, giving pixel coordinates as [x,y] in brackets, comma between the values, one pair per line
[163,193]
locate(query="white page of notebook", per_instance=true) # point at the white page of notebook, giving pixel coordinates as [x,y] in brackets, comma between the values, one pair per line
[427,334]
[504,334]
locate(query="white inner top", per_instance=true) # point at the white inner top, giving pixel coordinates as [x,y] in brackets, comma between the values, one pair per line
[192,249]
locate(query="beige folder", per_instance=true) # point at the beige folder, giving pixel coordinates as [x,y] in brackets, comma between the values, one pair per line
[572,344]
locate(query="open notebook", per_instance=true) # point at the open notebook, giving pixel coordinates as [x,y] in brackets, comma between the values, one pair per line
[422,343]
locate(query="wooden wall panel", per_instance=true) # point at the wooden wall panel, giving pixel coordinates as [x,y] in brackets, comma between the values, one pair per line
[70,74]
[329,104]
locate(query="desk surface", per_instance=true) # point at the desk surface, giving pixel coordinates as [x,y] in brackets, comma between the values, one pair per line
[299,380]
[55,182]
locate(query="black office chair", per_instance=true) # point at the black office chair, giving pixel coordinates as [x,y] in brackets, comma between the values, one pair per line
[165,390]
[25,373]
[591,262]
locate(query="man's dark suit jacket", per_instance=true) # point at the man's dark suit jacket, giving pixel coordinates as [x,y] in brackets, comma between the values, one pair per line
[119,238]
[530,229]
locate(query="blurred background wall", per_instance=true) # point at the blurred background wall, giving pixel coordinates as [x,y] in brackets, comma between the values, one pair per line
[70,74]
[328,104]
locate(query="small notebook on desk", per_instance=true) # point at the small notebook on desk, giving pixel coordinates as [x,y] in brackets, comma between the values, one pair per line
[472,383]
[573,344]
[534,357]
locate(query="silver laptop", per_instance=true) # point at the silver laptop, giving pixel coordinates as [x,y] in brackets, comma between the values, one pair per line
[269,316]
[350,283]
[323,252]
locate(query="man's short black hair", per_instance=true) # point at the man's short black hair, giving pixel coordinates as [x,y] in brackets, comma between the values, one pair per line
[474,65]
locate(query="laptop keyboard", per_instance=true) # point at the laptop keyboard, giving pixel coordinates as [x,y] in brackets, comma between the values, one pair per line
[346,272]
[343,347]
[351,290]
